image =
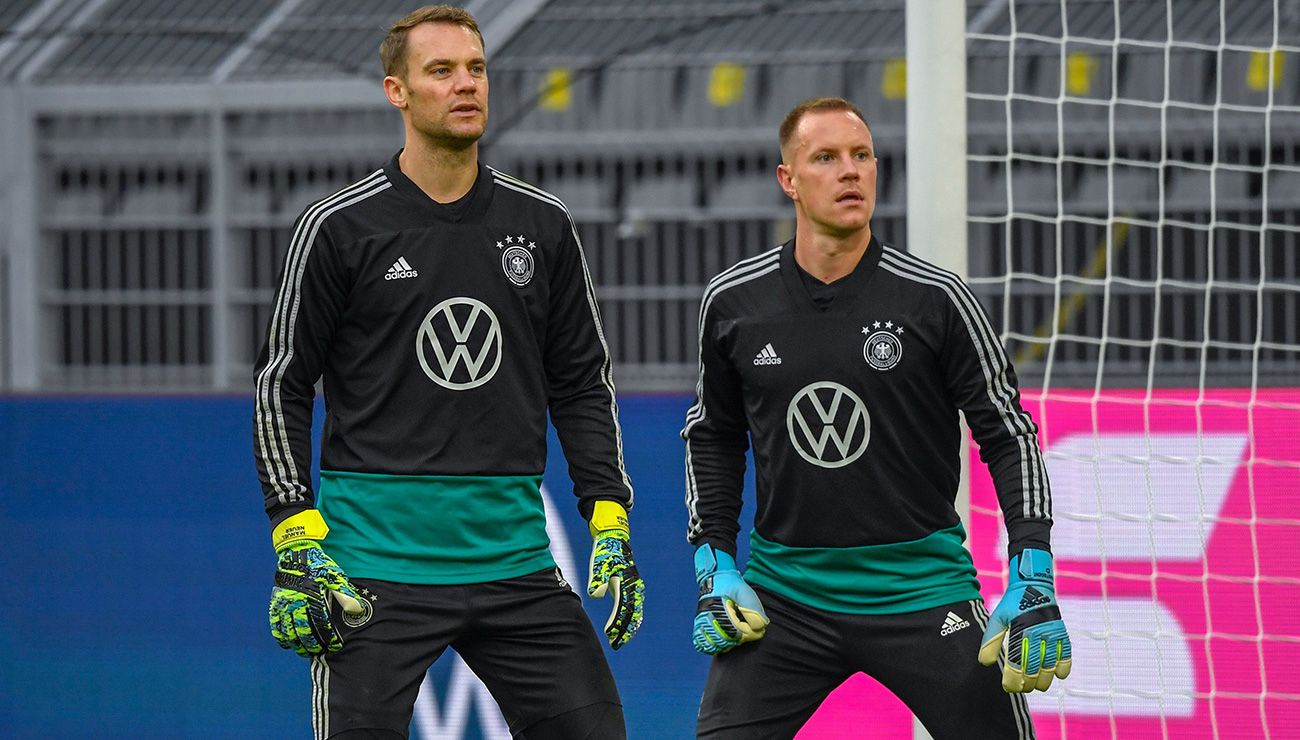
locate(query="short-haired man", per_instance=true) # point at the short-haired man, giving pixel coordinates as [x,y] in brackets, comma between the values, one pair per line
[846,363]
[448,308]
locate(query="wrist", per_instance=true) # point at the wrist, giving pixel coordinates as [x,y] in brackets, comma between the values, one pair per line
[710,560]
[305,526]
[1032,564]
[609,519]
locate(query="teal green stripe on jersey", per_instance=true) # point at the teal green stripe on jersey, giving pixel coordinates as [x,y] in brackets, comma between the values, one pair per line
[434,529]
[873,579]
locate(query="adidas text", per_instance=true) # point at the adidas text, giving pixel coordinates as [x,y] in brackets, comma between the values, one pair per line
[767,356]
[952,623]
[401,269]
[1032,597]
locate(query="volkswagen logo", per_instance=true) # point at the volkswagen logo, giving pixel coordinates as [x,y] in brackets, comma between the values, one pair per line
[459,344]
[828,424]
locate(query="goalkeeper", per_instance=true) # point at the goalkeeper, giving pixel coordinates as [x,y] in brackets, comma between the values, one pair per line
[447,309]
[845,363]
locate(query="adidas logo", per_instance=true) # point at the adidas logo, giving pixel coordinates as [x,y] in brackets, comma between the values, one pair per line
[1032,598]
[952,623]
[400,269]
[767,356]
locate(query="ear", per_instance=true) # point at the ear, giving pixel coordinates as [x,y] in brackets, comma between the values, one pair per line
[786,179]
[395,91]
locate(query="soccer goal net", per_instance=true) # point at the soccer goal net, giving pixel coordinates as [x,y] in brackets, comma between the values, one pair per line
[1134,232]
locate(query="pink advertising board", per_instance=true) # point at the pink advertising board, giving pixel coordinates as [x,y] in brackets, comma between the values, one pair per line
[1177,543]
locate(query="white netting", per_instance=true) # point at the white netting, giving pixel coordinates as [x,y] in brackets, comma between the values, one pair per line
[1135,232]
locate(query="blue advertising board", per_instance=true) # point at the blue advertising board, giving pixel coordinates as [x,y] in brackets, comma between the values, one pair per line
[138,566]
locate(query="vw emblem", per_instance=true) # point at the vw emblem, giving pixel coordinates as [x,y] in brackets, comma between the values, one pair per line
[464,339]
[882,350]
[828,424]
[518,265]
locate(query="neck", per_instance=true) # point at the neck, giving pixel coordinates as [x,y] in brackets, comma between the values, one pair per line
[826,256]
[444,173]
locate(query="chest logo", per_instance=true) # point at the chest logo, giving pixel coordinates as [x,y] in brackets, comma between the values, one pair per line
[459,344]
[517,259]
[767,356]
[828,424]
[883,348]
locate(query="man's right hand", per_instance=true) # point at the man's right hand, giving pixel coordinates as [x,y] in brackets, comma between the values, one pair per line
[728,613]
[305,581]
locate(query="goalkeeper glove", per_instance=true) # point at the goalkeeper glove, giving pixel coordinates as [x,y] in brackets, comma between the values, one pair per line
[1038,647]
[728,613]
[305,580]
[613,572]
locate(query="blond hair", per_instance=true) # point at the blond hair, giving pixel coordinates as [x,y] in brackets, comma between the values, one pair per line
[815,105]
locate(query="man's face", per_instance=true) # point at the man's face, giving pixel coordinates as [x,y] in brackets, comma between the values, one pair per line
[445,88]
[830,171]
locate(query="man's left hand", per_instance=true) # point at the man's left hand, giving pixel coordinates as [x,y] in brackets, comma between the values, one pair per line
[1038,648]
[614,572]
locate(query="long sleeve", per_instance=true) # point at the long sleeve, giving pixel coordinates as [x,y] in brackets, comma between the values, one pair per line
[580,380]
[983,384]
[306,311]
[716,437]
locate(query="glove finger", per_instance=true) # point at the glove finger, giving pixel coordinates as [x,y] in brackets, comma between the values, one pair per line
[348,599]
[282,630]
[708,637]
[620,616]
[632,604]
[749,624]
[1051,656]
[1013,679]
[614,587]
[702,641]
[1033,651]
[705,645]
[289,627]
[1063,667]
[322,625]
[716,644]
[715,610]
[305,631]
[1044,680]
[991,647]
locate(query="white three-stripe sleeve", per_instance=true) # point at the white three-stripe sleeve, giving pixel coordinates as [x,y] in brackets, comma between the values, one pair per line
[716,432]
[307,305]
[982,383]
[579,370]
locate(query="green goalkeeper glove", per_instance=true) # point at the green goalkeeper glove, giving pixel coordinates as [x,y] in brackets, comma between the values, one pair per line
[305,580]
[728,613]
[1039,646]
[613,572]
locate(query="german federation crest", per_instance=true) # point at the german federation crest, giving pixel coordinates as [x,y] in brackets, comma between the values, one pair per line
[367,611]
[517,259]
[884,346]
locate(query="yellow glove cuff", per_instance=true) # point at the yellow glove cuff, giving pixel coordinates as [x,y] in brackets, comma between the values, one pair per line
[606,515]
[305,525]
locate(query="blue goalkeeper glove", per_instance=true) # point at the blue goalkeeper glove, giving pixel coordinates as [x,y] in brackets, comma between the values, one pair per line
[728,613]
[613,572]
[305,581]
[1038,647]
